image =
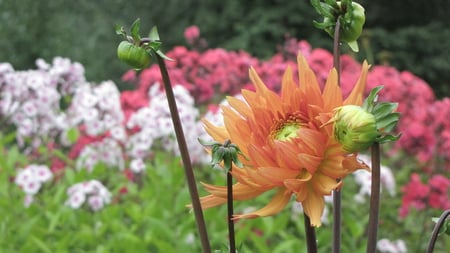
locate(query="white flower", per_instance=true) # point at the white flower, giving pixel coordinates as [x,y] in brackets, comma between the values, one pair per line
[387,246]
[364,180]
[31,178]
[93,191]
[76,199]
[137,165]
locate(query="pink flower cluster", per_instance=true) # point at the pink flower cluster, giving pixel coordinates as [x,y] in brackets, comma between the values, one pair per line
[432,194]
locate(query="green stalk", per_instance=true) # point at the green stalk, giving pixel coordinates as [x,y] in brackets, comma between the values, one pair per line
[336,246]
[185,157]
[374,200]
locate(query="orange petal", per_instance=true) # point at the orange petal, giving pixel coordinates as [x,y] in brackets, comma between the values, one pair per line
[287,85]
[355,97]
[240,106]
[219,134]
[277,175]
[210,201]
[332,167]
[332,94]
[313,206]
[278,202]
[260,157]
[351,164]
[308,82]
[323,184]
[240,191]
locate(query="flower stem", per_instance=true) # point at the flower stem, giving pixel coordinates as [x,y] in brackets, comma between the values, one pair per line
[311,242]
[185,157]
[374,200]
[231,236]
[437,228]
[336,248]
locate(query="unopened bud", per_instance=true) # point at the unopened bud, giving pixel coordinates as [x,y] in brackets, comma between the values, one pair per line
[354,128]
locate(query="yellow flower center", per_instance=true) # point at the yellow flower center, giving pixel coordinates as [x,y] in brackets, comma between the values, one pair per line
[285,130]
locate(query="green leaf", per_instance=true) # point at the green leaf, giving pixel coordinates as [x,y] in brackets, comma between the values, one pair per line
[73,134]
[135,27]
[40,244]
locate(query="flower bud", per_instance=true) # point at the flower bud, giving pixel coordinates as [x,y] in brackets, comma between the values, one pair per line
[354,128]
[133,55]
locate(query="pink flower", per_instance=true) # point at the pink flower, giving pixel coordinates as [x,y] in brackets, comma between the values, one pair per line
[191,34]
[418,139]
[440,186]
[415,195]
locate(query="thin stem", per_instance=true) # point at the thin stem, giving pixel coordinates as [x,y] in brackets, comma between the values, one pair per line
[311,242]
[336,248]
[337,50]
[436,230]
[185,157]
[374,200]
[230,212]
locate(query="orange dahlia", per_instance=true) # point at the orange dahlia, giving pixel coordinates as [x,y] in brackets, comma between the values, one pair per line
[288,145]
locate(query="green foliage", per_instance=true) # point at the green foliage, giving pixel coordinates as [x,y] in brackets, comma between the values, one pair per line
[423,50]
[152,215]
[81,30]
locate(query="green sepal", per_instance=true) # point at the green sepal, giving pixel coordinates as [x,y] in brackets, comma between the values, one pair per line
[381,110]
[353,46]
[388,122]
[369,102]
[388,138]
[227,160]
[218,154]
[160,53]
[208,143]
[135,27]
[154,35]
[120,30]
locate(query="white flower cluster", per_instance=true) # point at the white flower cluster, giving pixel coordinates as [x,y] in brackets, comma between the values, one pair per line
[155,125]
[31,99]
[30,180]
[93,192]
[98,109]
[107,151]
[387,246]
[364,180]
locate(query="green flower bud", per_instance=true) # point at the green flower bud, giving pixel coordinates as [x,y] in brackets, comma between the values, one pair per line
[133,55]
[354,128]
[352,28]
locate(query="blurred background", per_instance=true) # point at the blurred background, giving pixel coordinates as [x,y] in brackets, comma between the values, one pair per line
[408,34]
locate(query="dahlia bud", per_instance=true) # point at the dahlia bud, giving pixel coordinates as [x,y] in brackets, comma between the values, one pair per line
[354,128]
